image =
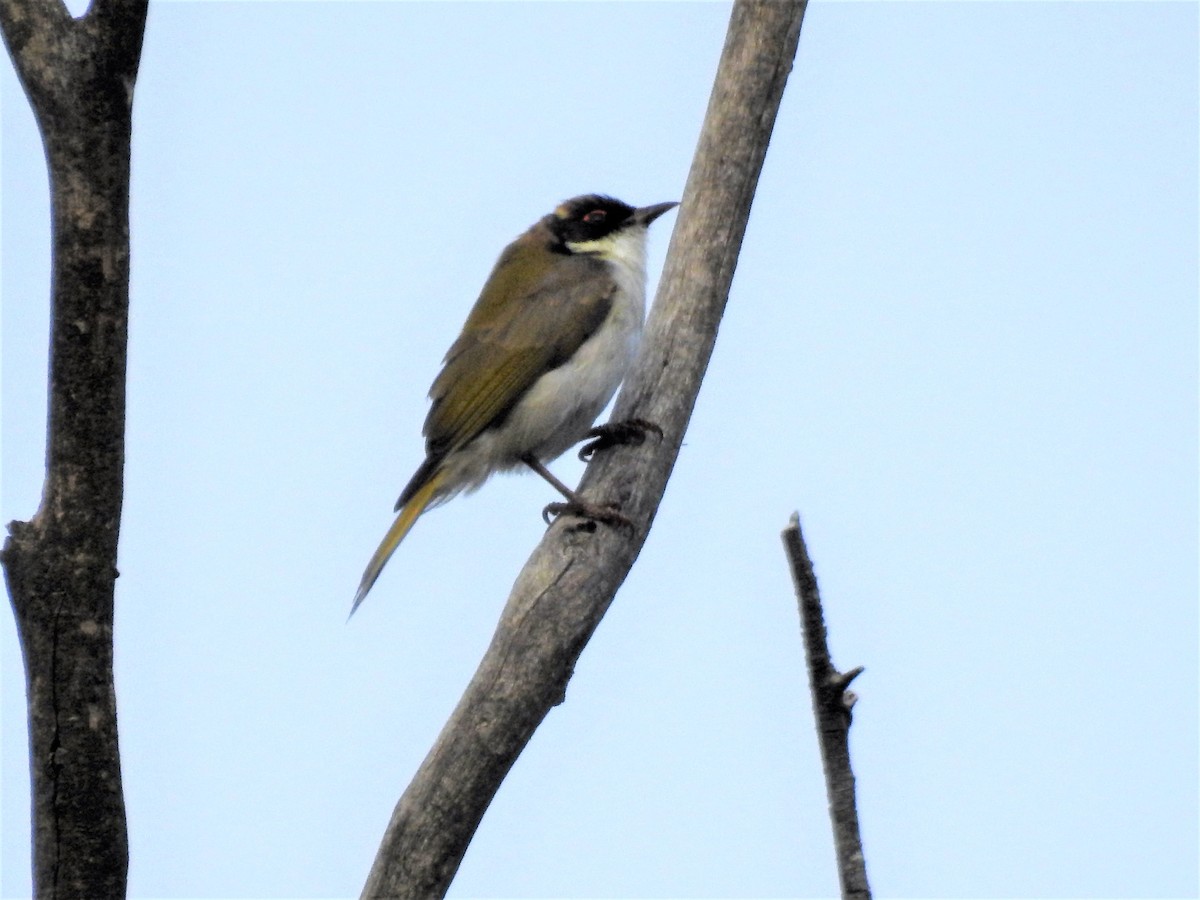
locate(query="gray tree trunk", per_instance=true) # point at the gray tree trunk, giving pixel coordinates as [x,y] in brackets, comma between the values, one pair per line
[61,566]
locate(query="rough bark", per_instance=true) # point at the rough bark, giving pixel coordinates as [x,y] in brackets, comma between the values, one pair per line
[832,703]
[61,565]
[569,582]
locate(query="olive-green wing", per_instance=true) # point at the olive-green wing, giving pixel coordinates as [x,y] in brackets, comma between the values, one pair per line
[507,343]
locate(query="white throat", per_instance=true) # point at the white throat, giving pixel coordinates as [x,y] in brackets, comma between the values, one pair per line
[625,249]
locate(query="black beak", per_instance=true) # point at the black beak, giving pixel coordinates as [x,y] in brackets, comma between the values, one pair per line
[647,214]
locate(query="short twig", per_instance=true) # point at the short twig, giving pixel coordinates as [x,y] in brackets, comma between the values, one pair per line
[832,705]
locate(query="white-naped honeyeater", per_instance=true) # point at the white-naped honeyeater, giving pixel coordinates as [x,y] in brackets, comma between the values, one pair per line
[553,333]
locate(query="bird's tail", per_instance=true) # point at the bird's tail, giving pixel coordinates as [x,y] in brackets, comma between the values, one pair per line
[412,510]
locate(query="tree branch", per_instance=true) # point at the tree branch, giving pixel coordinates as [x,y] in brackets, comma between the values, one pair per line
[831,707]
[569,582]
[61,565]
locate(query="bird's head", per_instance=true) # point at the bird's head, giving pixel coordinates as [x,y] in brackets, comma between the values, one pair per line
[594,224]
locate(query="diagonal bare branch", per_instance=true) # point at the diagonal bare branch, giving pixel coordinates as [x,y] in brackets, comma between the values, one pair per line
[571,578]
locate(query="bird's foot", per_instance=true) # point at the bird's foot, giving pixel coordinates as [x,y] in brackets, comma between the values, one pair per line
[611,434]
[591,513]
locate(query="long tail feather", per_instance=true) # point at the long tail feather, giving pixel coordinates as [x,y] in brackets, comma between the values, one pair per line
[412,510]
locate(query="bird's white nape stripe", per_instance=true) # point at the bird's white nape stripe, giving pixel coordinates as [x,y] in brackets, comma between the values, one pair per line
[628,246]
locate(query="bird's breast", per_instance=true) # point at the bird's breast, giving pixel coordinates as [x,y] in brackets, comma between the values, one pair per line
[559,408]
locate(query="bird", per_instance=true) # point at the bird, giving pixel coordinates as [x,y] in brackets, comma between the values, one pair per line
[550,338]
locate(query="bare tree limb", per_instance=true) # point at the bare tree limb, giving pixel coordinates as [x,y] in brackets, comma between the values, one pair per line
[831,707]
[61,565]
[569,582]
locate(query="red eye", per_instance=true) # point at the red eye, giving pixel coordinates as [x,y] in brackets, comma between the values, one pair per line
[595,216]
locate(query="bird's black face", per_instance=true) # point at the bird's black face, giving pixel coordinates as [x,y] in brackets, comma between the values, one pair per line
[588,218]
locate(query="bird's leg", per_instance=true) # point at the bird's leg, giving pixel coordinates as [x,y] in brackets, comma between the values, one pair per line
[611,434]
[575,504]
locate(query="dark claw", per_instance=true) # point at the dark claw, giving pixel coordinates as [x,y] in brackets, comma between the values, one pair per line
[612,434]
[591,514]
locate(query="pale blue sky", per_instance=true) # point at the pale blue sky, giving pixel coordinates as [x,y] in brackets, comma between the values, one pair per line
[962,342]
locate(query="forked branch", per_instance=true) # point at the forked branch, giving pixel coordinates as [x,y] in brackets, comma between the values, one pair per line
[61,566]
